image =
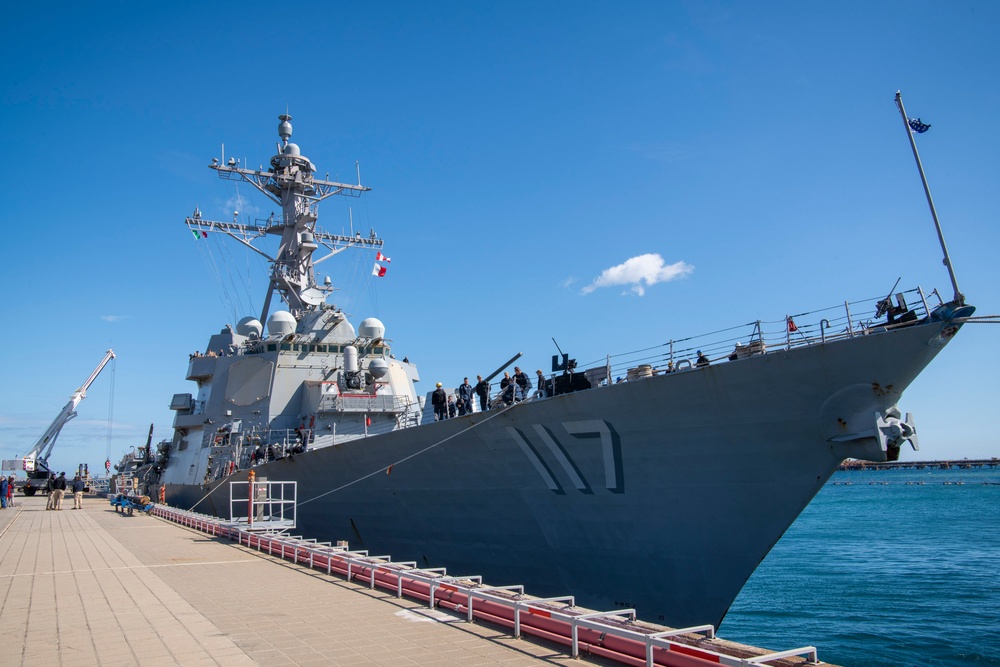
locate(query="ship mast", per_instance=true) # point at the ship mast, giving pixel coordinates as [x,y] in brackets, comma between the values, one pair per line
[959,298]
[291,184]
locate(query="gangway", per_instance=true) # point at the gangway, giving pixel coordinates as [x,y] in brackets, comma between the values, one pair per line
[123,483]
[263,505]
[100,485]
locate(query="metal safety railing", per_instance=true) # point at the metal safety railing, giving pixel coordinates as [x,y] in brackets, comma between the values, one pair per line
[817,327]
[617,635]
[124,483]
[100,485]
[268,505]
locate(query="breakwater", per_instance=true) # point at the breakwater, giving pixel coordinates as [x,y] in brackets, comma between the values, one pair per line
[961,464]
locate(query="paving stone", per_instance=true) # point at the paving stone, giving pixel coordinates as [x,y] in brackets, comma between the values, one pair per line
[99,587]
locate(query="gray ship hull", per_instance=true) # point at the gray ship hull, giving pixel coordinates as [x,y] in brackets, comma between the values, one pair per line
[662,494]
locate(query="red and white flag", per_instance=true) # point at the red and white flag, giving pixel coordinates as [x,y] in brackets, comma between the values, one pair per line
[791,325]
[381,258]
[379,270]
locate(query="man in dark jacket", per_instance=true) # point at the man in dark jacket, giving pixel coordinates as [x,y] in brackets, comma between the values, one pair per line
[439,399]
[521,378]
[58,490]
[483,391]
[465,394]
[78,487]
[50,488]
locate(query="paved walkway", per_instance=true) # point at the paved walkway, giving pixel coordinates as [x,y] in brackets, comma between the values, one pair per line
[94,587]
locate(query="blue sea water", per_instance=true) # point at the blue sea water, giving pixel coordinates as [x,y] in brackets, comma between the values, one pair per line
[883,568]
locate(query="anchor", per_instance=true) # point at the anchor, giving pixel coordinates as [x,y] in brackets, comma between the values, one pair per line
[890,431]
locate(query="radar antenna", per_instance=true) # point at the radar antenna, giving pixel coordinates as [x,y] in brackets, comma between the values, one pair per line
[290,183]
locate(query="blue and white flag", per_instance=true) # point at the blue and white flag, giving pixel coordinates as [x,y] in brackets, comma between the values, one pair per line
[917,126]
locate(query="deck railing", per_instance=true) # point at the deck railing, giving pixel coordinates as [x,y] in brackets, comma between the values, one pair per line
[846,320]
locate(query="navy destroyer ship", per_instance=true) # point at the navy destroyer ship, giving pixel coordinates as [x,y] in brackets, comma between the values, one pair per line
[657,480]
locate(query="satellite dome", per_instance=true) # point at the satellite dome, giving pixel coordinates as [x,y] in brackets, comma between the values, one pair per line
[292,150]
[248,326]
[281,323]
[378,368]
[371,327]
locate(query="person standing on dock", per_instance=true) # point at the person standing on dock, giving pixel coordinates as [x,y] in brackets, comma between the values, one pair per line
[58,491]
[50,488]
[4,486]
[78,487]
[10,491]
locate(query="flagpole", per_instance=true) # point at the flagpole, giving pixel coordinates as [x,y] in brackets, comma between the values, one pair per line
[959,297]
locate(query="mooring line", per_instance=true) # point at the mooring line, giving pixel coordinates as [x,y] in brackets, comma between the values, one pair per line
[414,454]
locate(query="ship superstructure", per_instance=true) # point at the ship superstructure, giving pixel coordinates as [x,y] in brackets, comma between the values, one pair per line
[311,378]
[662,492]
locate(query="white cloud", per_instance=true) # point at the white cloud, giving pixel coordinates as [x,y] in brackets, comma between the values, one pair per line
[115,318]
[246,208]
[638,273]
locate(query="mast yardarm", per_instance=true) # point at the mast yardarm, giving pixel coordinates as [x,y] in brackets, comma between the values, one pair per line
[291,184]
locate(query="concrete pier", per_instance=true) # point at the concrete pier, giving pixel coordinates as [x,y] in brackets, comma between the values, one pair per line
[94,587]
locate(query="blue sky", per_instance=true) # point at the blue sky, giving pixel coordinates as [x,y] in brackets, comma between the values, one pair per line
[517,152]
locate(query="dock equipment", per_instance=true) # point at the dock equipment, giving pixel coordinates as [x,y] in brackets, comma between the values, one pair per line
[36,462]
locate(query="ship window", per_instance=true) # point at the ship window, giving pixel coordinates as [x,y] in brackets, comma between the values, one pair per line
[271,347]
[285,347]
[377,350]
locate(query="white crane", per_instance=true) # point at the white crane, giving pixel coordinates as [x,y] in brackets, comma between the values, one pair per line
[36,462]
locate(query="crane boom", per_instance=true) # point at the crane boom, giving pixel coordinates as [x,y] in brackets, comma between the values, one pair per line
[38,458]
